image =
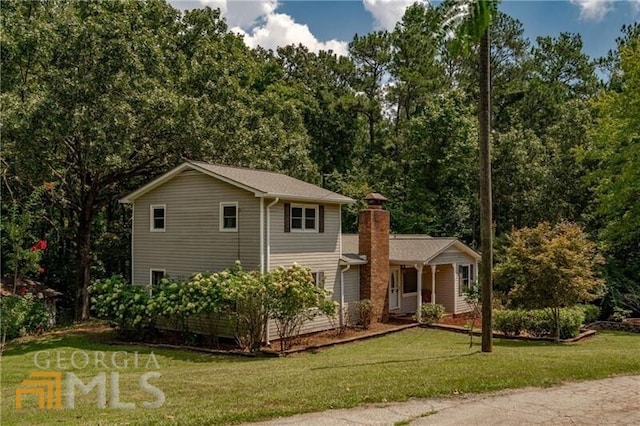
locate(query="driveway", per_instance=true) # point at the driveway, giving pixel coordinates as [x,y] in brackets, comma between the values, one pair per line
[598,402]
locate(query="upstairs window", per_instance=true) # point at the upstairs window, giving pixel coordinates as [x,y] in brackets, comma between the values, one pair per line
[229,217]
[304,218]
[467,278]
[158,218]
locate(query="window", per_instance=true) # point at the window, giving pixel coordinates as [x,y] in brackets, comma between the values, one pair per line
[466,277]
[304,218]
[158,218]
[318,279]
[409,280]
[156,276]
[229,217]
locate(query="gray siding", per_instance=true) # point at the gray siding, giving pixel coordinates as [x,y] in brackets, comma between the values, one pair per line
[351,293]
[192,241]
[314,250]
[447,287]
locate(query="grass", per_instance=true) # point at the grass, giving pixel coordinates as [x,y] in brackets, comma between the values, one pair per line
[207,389]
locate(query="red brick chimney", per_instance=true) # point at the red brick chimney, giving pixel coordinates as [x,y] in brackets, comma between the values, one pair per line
[373,230]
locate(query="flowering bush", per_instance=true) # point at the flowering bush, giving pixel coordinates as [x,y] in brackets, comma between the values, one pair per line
[247,298]
[120,302]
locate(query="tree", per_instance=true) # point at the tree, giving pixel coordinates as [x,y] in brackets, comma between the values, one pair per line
[470,20]
[549,268]
[616,178]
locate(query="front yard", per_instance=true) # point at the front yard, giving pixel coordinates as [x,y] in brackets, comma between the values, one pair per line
[207,389]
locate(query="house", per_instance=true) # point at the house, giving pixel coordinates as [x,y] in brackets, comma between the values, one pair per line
[203,217]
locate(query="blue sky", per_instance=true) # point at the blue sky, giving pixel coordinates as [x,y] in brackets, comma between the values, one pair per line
[331,24]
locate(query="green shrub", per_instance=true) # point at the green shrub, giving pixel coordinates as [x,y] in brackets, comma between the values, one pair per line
[364,309]
[431,313]
[538,322]
[591,313]
[510,322]
[22,315]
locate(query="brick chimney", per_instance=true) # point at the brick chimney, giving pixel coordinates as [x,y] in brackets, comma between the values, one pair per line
[373,230]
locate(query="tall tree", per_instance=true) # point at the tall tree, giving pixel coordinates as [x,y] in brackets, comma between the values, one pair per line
[616,179]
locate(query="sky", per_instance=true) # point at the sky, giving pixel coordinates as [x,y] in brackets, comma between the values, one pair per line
[331,24]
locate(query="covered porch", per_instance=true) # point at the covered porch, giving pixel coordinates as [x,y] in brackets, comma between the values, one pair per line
[430,270]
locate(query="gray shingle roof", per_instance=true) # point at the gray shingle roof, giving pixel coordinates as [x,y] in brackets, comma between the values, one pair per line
[408,248]
[261,182]
[274,184]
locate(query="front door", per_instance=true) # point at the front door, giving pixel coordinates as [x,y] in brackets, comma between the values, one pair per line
[394,289]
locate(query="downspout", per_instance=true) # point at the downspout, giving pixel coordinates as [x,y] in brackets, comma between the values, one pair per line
[262,235]
[266,325]
[342,271]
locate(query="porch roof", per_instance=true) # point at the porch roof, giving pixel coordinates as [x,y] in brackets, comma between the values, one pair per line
[409,249]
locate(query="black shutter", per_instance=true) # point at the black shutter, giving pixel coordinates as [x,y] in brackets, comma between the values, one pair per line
[321,219]
[287,217]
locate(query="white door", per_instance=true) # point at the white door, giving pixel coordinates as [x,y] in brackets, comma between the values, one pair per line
[394,289]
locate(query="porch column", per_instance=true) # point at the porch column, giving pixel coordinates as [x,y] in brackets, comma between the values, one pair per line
[455,286]
[419,305]
[433,284]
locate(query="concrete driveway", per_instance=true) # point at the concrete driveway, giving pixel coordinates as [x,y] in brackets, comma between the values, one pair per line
[613,401]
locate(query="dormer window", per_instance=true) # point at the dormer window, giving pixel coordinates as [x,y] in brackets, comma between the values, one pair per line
[158,216]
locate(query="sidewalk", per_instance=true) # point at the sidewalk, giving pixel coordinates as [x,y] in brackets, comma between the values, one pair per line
[599,402]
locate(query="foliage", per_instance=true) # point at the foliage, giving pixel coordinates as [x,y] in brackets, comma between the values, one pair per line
[539,322]
[616,178]
[549,267]
[619,314]
[591,312]
[22,315]
[431,313]
[17,228]
[364,310]
[121,303]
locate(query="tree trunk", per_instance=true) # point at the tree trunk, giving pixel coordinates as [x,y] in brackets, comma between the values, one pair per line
[486,225]
[85,259]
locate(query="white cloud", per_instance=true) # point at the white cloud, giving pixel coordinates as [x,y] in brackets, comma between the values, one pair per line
[260,25]
[635,6]
[593,9]
[388,12]
[280,30]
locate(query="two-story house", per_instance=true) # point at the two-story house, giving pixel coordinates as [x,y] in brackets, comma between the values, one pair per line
[201,217]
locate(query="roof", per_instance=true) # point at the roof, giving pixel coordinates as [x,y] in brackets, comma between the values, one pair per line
[411,248]
[262,183]
[26,285]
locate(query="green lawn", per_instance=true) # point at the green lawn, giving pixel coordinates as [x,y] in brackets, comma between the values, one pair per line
[207,389]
